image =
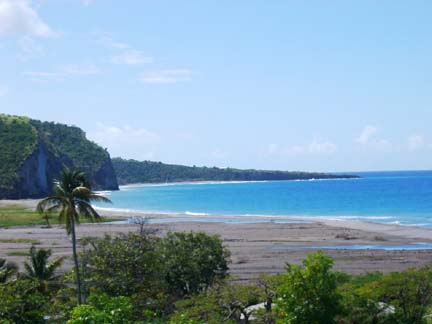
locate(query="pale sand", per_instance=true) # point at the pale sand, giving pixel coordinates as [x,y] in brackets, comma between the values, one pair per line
[253,245]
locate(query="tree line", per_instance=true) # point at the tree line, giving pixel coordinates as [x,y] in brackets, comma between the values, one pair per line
[132,171]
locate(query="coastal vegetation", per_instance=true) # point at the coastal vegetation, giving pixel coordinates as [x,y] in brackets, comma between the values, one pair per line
[132,171]
[183,278]
[71,141]
[18,139]
[71,199]
[122,291]
[17,215]
[34,153]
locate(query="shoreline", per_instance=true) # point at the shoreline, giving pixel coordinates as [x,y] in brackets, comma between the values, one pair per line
[256,248]
[409,231]
[406,230]
[215,182]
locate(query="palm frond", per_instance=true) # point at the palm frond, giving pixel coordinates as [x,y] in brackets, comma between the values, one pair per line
[99,198]
[86,209]
[7,270]
[54,265]
[29,273]
[51,202]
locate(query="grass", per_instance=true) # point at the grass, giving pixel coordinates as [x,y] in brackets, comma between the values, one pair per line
[16,215]
[20,240]
[18,253]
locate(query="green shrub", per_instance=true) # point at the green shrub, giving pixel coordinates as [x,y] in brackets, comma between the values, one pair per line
[309,294]
[103,309]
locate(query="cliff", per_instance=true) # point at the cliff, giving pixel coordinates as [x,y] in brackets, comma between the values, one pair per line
[33,153]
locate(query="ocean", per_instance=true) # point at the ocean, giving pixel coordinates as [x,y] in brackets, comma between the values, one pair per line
[402,197]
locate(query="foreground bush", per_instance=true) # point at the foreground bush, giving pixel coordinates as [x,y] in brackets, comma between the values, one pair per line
[103,310]
[192,262]
[308,294]
[154,272]
[399,297]
[22,302]
[181,279]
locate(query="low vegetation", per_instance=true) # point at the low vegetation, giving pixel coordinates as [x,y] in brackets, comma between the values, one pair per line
[65,146]
[132,171]
[18,139]
[130,279]
[71,141]
[23,216]
[182,278]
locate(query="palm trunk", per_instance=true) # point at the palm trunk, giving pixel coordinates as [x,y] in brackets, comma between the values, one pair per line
[75,257]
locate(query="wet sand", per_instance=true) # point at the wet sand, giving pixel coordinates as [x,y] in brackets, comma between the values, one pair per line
[255,247]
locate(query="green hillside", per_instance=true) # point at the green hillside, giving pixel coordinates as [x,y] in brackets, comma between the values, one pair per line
[132,171]
[18,139]
[72,142]
[34,152]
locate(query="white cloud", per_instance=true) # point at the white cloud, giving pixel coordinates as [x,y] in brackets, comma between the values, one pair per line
[368,138]
[128,56]
[131,57]
[166,76]
[316,147]
[29,48]
[18,17]
[416,142]
[79,70]
[321,147]
[87,2]
[367,134]
[119,138]
[107,40]
[63,72]
[3,91]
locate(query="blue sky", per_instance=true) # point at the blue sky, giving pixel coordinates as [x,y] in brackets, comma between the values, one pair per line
[294,85]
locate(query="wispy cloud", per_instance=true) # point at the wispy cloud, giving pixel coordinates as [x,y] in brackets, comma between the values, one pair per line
[131,57]
[87,2]
[316,147]
[18,17]
[29,48]
[367,134]
[119,138]
[125,53]
[166,76]
[369,138]
[418,142]
[109,42]
[63,72]
[3,90]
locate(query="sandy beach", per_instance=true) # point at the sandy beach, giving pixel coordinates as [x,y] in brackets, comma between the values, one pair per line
[255,247]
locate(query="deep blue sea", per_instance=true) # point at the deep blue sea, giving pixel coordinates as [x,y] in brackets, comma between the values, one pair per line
[403,197]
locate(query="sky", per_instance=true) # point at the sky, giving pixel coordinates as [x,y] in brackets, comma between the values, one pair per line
[284,84]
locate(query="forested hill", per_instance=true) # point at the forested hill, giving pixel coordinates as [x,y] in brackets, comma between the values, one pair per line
[33,153]
[132,171]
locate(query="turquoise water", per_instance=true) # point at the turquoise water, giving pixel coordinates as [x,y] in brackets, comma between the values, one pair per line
[392,247]
[385,197]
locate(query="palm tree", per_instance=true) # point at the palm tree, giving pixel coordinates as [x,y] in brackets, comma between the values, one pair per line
[40,269]
[7,270]
[72,197]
